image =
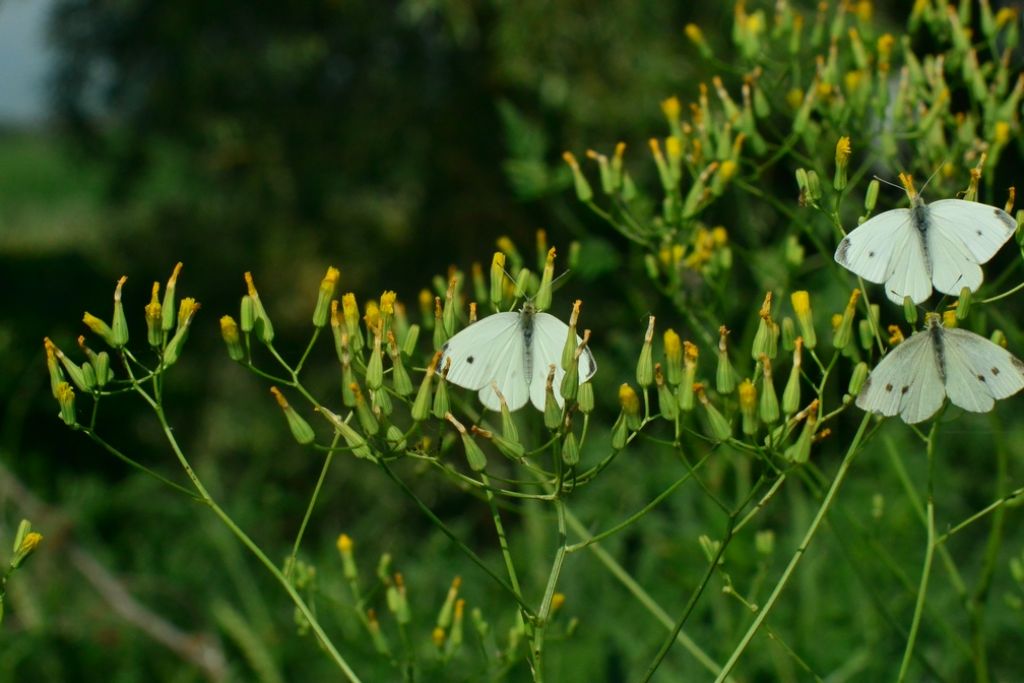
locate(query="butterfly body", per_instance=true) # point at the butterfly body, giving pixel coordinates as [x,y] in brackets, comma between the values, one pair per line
[941,244]
[513,351]
[915,377]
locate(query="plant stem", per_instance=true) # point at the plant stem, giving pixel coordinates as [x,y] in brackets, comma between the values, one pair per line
[544,613]
[766,609]
[929,554]
[289,566]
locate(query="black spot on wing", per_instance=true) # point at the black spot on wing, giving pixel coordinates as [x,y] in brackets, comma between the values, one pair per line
[841,252]
[469,359]
[1006,219]
[981,378]
[888,387]
[904,390]
[1018,364]
[444,347]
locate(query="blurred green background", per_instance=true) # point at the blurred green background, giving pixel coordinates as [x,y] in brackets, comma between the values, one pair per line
[392,140]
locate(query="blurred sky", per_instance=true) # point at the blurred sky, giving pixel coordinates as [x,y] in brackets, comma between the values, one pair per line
[25,56]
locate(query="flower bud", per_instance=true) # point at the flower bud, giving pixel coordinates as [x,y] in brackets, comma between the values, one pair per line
[844,331]
[262,327]
[585,398]
[52,364]
[322,310]
[355,441]
[348,397]
[630,404]
[348,563]
[789,335]
[685,391]
[170,304]
[380,402]
[66,400]
[909,310]
[871,197]
[963,304]
[569,349]
[399,375]
[860,374]
[667,403]
[441,335]
[510,448]
[101,364]
[583,191]
[542,300]
[187,310]
[696,37]
[998,338]
[620,433]
[449,312]
[748,407]
[673,357]
[421,405]
[99,328]
[474,455]
[497,279]
[229,332]
[24,548]
[552,411]
[441,403]
[375,365]
[766,340]
[720,428]
[570,450]
[645,366]
[801,301]
[246,314]
[395,439]
[725,375]
[350,314]
[791,394]
[842,161]
[300,429]
[949,319]
[154,319]
[769,407]
[409,342]
[800,451]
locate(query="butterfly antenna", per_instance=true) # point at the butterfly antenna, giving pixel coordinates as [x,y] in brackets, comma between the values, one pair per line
[555,284]
[921,191]
[883,180]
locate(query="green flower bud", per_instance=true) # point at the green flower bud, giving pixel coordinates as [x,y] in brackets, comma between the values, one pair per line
[53,365]
[300,429]
[842,162]
[791,394]
[766,340]
[449,312]
[552,411]
[748,407]
[871,197]
[570,450]
[380,402]
[543,298]
[645,365]
[170,304]
[187,310]
[685,391]
[441,403]
[350,315]
[474,456]
[569,349]
[998,338]
[725,375]
[673,357]
[66,401]
[375,365]
[24,548]
[348,378]
[399,375]
[667,403]
[322,310]
[764,542]
[585,398]
[349,570]
[409,342]
[421,405]
[154,319]
[843,332]
[102,366]
[860,374]
[99,328]
[800,451]
[89,376]
[963,304]
[789,334]
[441,335]
[510,448]
[769,408]
[395,438]
[246,314]
[74,372]
[229,332]
[583,191]
[497,280]
[570,385]
[262,326]
[353,439]
[719,427]
[620,432]
[630,403]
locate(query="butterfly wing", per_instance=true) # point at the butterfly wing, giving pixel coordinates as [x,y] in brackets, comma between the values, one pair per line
[489,350]
[981,228]
[549,335]
[978,371]
[953,265]
[888,248]
[905,382]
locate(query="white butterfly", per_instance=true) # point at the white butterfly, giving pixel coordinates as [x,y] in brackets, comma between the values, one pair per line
[915,377]
[515,352]
[941,243]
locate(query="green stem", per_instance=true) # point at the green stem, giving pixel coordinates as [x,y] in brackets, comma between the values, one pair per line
[290,564]
[691,603]
[544,613]
[300,604]
[929,553]
[826,503]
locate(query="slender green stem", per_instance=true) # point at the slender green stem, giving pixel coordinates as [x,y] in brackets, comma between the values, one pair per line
[137,465]
[691,603]
[826,503]
[544,613]
[643,597]
[929,553]
[506,551]
[289,566]
[300,604]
